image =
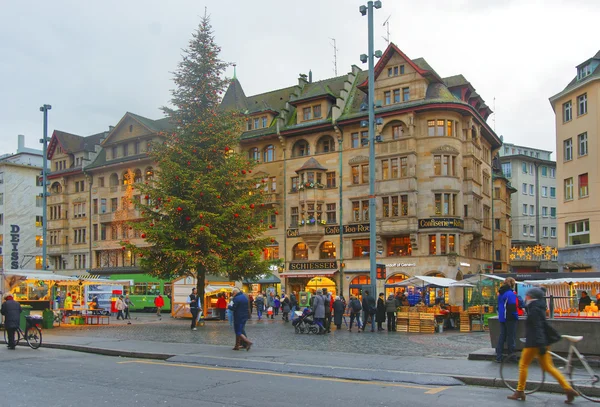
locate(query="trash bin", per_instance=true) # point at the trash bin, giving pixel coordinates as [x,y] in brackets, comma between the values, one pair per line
[26,310]
[48,319]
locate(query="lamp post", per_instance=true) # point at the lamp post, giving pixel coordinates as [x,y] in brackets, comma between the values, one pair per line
[44,142]
[368,11]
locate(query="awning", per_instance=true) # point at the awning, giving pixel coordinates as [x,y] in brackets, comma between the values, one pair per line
[473,279]
[557,281]
[209,289]
[419,281]
[308,273]
[38,275]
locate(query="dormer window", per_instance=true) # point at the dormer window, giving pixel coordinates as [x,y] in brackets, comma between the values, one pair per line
[114,152]
[256,123]
[306,113]
[317,111]
[269,154]
[584,71]
[264,121]
[395,70]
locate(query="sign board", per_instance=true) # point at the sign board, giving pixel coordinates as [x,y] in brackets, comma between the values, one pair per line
[451,223]
[313,265]
[348,229]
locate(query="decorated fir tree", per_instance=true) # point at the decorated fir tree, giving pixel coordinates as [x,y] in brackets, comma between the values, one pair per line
[202,213]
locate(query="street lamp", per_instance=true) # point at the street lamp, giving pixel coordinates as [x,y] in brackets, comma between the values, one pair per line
[44,142]
[368,11]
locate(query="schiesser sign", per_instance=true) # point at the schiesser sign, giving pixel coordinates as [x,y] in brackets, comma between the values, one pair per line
[451,223]
[313,265]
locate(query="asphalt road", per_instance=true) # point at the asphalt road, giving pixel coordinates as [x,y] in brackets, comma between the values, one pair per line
[61,378]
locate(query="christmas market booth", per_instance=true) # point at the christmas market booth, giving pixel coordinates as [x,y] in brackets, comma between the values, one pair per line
[182,288]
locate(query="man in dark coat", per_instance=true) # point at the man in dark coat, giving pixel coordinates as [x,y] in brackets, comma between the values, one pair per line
[327,305]
[239,307]
[584,301]
[12,317]
[369,307]
[380,317]
[338,312]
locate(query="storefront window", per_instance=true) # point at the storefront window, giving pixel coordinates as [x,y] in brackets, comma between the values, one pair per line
[300,251]
[399,246]
[31,292]
[327,251]
[271,252]
[360,248]
[432,245]
[396,278]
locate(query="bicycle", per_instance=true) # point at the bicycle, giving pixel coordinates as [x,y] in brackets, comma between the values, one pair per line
[581,376]
[32,334]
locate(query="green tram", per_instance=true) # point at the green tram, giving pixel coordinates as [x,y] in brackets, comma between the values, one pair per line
[144,289]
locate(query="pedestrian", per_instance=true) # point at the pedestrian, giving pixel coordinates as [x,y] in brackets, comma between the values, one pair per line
[128,304]
[221,306]
[390,308]
[94,305]
[68,305]
[338,312]
[319,308]
[271,304]
[507,317]
[285,308]
[159,302]
[193,301]
[230,312]
[380,313]
[293,303]
[328,307]
[11,310]
[250,305]
[369,310]
[584,301]
[260,306]
[354,308]
[120,306]
[537,344]
[239,308]
[276,305]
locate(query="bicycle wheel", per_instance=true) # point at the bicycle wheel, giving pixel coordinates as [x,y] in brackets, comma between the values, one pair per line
[33,336]
[17,336]
[586,383]
[509,372]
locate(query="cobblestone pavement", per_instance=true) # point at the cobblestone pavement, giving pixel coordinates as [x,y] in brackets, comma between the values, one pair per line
[279,335]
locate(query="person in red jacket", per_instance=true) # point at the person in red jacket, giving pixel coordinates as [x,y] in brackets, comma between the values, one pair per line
[159,302]
[221,306]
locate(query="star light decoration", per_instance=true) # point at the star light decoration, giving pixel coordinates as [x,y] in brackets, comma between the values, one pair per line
[537,252]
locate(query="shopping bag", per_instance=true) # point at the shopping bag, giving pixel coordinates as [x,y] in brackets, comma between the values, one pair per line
[270,311]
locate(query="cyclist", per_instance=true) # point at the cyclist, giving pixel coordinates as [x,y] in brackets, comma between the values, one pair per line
[11,310]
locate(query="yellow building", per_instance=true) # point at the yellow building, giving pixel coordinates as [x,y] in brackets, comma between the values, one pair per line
[577,110]
[434,175]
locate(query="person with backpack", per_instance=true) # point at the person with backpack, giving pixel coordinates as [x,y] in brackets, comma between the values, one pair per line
[285,309]
[259,303]
[354,308]
[391,305]
[369,307]
[507,317]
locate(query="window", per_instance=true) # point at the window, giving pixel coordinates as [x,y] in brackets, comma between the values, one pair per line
[360,248]
[582,104]
[583,185]
[396,95]
[1,198]
[545,231]
[567,112]
[524,189]
[79,186]
[264,121]
[525,230]
[360,174]
[544,211]
[531,169]
[269,153]
[524,209]
[389,168]
[399,246]
[39,262]
[387,97]
[531,190]
[253,154]
[507,170]
[405,94]
[301,149]
[552,212]
[273,183]
[114,204]
[331,213]
[486,216]
[306,113]
[79,235]
[360,211]
[524,167]
[365,173]
[317,111]
[114,152]
[354,141]
[294,184]
[101,182]
[326,144]
[544,192]
[445,204]
[38,241]
[486,184]
[294,219]
[544,171]
[39,221]
[136,147]
[327,251]
[403,166]
[552,172]
[432,244]
[39,201]
[578,232]
[256,123]
[531,230]
[497,224]
[584,71]
[531,210]
[553,232]
[395,206]
[582,142]
[552,192]
[397,132]
[79,210]
[568,189]
[355,174]
[401,69]
[300,251]
[330,177]
[444,165]
[125,150]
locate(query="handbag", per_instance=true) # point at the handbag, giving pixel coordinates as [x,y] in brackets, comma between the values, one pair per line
[552,335]
[269,310]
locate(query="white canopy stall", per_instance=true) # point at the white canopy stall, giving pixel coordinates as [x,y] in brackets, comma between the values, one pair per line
[567,291]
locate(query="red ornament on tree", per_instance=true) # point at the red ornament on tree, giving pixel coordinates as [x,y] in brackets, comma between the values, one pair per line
[262,205]
[243,206]
[143,235]
[201,229]
[152,224]
[200,216]
[188,218]
[270,226]
[243,171]
[276,213]
[227,149]
[235,215]
[179,209]
[146,197]
[218,196]
[251,206]
[251,254]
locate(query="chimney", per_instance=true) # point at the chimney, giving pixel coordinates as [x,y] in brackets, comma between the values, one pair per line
[310,76]
[302,80]
[21,143]
[110,128]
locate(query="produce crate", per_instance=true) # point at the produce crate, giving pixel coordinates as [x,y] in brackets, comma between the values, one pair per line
[426,316]
[402,325]
[402,315]
[427,326]
[465,322]
[414,315]
[404,308]
[456,308]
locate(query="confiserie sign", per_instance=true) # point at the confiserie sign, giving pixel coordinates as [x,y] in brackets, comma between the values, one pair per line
[313,265]
[451,223]
[348,229]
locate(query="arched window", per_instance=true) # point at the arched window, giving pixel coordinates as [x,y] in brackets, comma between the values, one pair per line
[327,250]
[326,144]
[300,251]
[125,180]
[149,174]
[395,130]
[435,274]
[269,154]
[396,278]
[361,280]
[253,154]
[113,180]
[56,188]
[301,149]
[137,176]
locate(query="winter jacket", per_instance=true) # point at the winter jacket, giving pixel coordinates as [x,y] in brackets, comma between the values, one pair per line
[535,332]
[368,304]
[159,301]
[270,300]
[120,305]
[319,306]
[276,303]
[584,302]
[221,302]
[286,305]
[380,317]
[355,305]
[259,303]
[338,312]
[391,304]
[293,301]
[239,307]
[507,304]
[328,303]
[11,310]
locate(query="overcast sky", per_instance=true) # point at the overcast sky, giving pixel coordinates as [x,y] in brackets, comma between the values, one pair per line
[95,60]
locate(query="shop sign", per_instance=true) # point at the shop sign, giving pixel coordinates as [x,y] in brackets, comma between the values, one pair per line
[348,229]
[14,242]
[401,265]
[465,264]
[452,223]
[313,265]
[293,233]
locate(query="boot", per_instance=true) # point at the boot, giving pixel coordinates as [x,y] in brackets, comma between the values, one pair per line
[519,395]
[571,394]
[248,343]
[237,342]
[350,328]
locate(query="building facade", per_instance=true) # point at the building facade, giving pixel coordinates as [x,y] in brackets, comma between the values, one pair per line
[435,209]
[577,112]
[534,206]
[21,208]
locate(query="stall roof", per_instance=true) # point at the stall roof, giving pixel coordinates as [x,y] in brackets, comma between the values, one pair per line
[38,275]
[428,280]
[214,288]
[557,281]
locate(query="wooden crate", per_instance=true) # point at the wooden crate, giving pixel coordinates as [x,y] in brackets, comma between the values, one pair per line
[402,315]
[426,316]
[456,308]
[414,315]
[427,326]
[402,325]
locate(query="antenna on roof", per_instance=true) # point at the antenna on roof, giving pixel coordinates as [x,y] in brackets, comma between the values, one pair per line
[234,73]
[334,56]
[386,24]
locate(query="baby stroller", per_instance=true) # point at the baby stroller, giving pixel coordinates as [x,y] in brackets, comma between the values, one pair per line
[305,324]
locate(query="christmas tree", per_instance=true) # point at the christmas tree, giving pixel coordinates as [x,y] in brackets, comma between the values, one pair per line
[202,213]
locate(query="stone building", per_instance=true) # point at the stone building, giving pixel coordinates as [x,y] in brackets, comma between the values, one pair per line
[433,169]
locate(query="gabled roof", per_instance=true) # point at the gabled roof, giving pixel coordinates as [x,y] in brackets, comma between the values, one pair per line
[153,126]
[311,164]
[235,98]
[274,101]
[72,143]
[325,88]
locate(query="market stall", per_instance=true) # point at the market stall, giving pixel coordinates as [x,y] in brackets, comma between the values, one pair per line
[182,288]
[564,295]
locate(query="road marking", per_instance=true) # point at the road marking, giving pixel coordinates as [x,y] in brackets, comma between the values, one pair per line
[430,390]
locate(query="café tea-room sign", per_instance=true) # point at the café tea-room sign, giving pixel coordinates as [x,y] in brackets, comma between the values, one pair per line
[312,265]
[348,229]
[451,223]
